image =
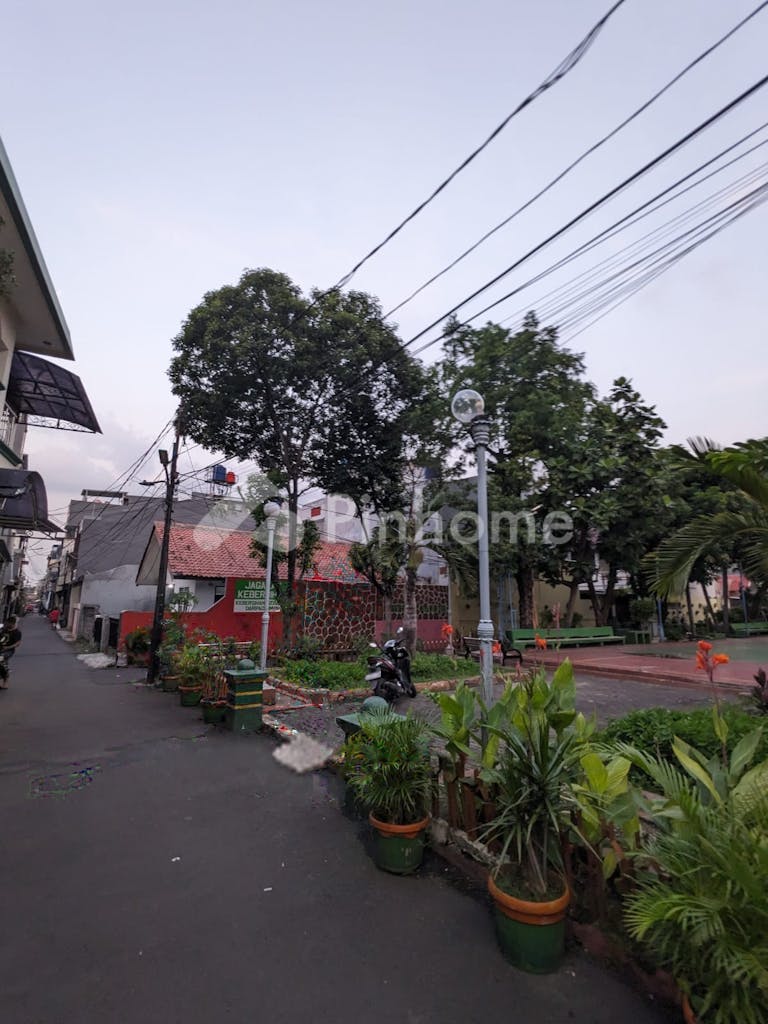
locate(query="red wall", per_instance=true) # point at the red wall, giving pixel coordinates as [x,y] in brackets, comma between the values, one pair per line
[220,619]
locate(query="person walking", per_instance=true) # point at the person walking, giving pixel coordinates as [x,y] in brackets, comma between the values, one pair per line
[10,638]
[53,618]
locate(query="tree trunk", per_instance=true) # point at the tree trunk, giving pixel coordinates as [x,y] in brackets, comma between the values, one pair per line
[726,615]
[689,605]
[710,609]
[386,600]
[571,606]
[593,600]
[607,604]
[524,580]
[410,612]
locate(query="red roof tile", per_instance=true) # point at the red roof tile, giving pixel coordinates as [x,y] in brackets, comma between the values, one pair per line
[205,552]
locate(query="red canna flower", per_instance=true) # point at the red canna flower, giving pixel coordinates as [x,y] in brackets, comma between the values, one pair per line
[541,642]
[496,647]
[701,660]
[704,645]
[720,659]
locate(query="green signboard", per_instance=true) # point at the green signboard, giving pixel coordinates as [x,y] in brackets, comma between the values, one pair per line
[249,596]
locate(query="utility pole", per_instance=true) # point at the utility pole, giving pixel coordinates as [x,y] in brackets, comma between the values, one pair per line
[171,479]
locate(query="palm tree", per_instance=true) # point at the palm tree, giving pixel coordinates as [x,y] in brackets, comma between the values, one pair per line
[745,467]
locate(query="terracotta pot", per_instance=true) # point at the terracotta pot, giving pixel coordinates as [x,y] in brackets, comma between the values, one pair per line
[399,848]
[688,1015]
[531,935]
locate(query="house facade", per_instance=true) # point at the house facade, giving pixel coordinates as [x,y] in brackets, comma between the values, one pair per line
[36,392]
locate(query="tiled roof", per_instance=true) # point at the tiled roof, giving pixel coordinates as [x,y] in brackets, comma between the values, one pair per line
[205,552]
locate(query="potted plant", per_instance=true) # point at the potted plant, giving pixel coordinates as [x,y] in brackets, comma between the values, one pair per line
[173,638]
[214,694]
[537,762]
[137,644]
[388,770]
[192,668]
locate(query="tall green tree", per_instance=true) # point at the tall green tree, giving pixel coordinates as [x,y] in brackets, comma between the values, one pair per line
[734,527]
[316,390]
[536,397]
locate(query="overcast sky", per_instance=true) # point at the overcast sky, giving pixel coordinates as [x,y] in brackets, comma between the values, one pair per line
[163,147]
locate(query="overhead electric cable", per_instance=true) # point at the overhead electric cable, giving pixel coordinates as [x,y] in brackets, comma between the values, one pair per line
[597,204]
[587,152]
[641,211]
[553,78]
[548,305]
[676,259]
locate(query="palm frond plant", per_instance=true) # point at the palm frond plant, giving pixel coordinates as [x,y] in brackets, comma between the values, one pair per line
[388,769]
[702,906]
[745,467]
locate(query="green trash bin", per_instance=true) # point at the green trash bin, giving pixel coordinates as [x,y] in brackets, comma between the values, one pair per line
[244,697]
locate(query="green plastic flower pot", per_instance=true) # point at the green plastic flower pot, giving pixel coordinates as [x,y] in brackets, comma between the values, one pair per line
[398,849]
[189,698]
[531,935]
[214,714]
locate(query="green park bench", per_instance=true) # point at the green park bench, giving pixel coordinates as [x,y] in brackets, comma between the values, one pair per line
[748,628]
[576,636]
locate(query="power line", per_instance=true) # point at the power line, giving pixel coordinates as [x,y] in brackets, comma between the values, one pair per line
[640,212]
[547,310]
[552,79]
[585,213]
[587,152]
[741,208]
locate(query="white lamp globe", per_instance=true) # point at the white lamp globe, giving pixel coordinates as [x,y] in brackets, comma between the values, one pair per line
[271,509]
[467,405]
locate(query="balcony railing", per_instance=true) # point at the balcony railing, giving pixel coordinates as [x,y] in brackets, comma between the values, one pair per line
[12,428]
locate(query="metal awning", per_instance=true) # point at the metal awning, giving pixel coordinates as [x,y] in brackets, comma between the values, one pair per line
[48,395]
[23,502]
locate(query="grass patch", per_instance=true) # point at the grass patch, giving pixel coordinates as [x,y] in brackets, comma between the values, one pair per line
[342,675]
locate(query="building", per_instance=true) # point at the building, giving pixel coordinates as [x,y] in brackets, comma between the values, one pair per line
[96,564]
[36,392]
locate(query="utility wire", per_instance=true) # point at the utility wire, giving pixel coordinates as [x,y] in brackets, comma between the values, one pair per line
[597,204]
[552,79]
[548,305]
[641,211]
[587,152]
[762,198]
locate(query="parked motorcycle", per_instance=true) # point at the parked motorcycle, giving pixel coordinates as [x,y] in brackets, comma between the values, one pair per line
[390,670]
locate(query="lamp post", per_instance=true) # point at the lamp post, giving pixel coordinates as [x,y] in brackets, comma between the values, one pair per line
[271,511]
[468,408]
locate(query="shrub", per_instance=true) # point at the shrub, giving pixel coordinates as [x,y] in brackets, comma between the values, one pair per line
[438,666]
[331,675]
[138,640]
[672,631]
[654,729]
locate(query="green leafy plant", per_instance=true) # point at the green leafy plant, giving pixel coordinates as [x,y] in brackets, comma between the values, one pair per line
[388,768]
[702,908]
[138,640]
[541,742]
[654,730]
[458,717]
[331,675]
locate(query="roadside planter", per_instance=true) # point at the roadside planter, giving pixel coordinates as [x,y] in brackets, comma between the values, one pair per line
[189,696]
[387,768]
[531,935]
[244,707]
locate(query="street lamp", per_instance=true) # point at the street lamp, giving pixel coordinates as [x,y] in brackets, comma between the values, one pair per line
[468,408]
[271,511]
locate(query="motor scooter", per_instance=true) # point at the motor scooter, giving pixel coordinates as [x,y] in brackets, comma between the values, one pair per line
[389,671]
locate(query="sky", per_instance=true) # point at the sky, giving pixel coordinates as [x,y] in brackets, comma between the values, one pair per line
[162,148]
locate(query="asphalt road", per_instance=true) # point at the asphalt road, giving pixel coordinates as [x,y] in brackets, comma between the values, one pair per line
[156,870]
[603,697]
